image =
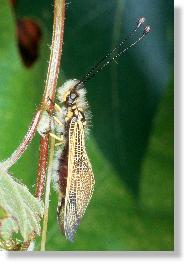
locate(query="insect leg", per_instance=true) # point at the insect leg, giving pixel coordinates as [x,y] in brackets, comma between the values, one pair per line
[57,107]
[58,138]
[58,121]
[59,143]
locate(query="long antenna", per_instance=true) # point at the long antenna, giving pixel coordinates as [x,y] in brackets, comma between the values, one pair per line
[139,23]
[118,54]
[118,50]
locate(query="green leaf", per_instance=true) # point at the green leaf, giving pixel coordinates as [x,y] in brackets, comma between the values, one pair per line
[7,225]
[23,210]
[157,184]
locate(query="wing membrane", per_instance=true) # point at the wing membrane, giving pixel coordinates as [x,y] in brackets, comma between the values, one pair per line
[80,181]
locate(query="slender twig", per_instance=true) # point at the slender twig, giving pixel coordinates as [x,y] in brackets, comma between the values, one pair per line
[24,144]
[43,156]
[56,51]
[50,87]
[47,195]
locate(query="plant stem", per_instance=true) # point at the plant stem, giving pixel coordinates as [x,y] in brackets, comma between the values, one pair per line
[24,144]
[47,195]
[50,87]
[42,166]
[56,51]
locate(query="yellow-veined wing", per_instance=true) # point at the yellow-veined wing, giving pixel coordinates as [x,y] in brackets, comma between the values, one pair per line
[80,180]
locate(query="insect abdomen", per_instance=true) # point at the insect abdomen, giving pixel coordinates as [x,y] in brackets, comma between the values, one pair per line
[62,181]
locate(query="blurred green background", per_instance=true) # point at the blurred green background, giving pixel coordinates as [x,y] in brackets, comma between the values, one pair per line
[131,141]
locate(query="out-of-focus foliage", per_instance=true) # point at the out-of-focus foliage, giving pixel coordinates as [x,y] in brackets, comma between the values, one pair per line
[131,144]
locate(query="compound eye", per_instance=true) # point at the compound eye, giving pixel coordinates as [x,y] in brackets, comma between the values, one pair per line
[69,99]
[73,96]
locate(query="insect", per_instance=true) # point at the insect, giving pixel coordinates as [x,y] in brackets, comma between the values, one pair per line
[76,179]
[72,171]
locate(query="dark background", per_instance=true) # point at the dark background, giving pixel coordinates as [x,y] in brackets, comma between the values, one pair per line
[131,140]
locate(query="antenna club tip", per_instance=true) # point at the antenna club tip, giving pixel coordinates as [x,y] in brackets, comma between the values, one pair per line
[147,29]
[141,20]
